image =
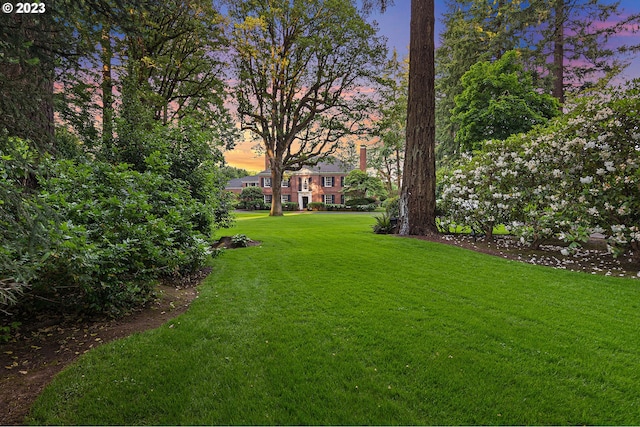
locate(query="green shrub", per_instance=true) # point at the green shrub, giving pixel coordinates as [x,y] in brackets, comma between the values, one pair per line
[289,206]
[383,224]
[316,206]
[392,206]
[240,240]
[335,207]
[363,208]
[252,198]
[360,201]
[122,229]
[24,240]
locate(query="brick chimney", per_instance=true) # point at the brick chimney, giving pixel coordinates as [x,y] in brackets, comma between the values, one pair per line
[363,158]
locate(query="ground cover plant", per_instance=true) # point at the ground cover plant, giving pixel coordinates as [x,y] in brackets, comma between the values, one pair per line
[329,323]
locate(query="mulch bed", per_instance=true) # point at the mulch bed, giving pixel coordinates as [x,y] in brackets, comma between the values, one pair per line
[46,343]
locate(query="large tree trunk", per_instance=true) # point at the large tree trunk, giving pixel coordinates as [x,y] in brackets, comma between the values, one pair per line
[26,88]
[276,187]
[558,52]
[398,174]
[418,196]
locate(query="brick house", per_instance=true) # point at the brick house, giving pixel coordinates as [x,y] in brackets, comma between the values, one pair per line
[321,183]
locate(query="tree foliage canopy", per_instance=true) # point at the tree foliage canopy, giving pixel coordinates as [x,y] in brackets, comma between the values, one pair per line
[359,185]
[498,100]
[302,68]
[564,44]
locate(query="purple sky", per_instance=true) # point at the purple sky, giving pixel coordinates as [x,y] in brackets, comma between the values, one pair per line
[394,24]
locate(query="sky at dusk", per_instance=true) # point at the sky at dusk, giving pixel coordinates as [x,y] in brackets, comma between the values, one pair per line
[394,25]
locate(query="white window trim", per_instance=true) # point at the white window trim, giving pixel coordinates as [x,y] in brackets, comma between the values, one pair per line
[327,181]
[267,182]
[328,199]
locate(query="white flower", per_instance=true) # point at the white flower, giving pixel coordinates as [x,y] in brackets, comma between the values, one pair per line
[564,251]
[609,166]
[586,180]
[601,171]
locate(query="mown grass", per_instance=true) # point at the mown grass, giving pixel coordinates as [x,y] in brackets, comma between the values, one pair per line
[327,323]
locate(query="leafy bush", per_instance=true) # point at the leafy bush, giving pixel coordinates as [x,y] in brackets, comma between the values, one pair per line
[384,224]
[24,239]
[252,198]
[121,229]
[360,201]
[289,206]
[240,240]
[363,208]
[392,206]
[337,207]
[94,236]
[316,206]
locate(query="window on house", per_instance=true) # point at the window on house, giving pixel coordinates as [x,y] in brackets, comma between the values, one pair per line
[285,198]
[285,182]
[267,182]
[305,184]
[329,199]
[342,181]
[268,198]
[252,184]
[328,181]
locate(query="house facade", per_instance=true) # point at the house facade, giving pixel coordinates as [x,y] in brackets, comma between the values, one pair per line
[321,183]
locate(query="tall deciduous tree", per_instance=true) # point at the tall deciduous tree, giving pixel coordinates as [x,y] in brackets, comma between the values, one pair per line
[173,70]
[176,53]
[418,195]
[302,73]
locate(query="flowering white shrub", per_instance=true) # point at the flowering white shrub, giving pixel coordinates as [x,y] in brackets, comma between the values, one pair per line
[578,174]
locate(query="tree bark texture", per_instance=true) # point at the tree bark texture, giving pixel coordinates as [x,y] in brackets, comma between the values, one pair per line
[277,171]
[418,196]
[558,52]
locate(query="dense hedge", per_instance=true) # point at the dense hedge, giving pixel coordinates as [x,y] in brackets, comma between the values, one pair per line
[94,236]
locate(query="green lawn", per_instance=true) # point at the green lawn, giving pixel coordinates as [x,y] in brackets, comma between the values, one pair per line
[327,323]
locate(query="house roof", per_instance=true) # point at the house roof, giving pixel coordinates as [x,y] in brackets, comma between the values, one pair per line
[252,178]
[330,167]
[234,183]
